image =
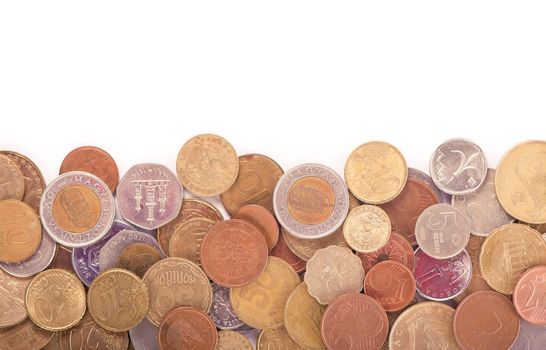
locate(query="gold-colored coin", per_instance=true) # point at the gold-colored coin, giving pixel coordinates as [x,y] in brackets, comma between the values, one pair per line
[477,282]
[186,240]
[137,258]
[12,299]
[260,304]
[302,317]
[12,181]
[118,300]
[207,165]
[20,231]
[520,182]
[276,338]
[77,208]
[55,300]
[367,228]
[24,336]
[376,172]
[230,340]
[507,252]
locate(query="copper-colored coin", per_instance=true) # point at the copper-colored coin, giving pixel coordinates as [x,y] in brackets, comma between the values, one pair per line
[477,282]
[260,304]
[405,209]
[62,259]
[397,248]
[93,160]
[367,228]
[12,182]
[262,219]
[77,208]
[354,321]
[507,252]
[34,181]
[230,340]
[281,250]
[207,165]
[24,336]
[12,299]
[485,320]
[299,198]
[187,328]
[137,258]
[530,296]
[391,284]
[20,231]
[255,183]
[233,253]
[276,338]
[187,238]
[55,300]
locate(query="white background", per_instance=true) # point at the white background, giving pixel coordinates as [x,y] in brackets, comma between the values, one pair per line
[300,81]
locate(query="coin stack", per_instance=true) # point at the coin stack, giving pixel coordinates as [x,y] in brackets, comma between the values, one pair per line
[386,257]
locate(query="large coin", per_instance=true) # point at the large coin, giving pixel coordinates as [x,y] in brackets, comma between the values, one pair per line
[12,299]
[24,336]
[12,182]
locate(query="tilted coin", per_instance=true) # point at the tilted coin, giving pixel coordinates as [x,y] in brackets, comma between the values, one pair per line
[137,258]
[530,337]
[230,340]
[55,300]
[391,284]
[12,183]
[24,336]
[311,201]
[187,328]
[481,208]
[20,231]
[442,231]
[530,295]
[93,160]
[397,248]
[37,262]
[507,252]
[144,336]
[281,250]
[207,165]
[149,195]
[221,311]
[33,178]
[77,209]
[520,184]
[186,239]
[306,248]
[427,180]
[367,228]
[255,183]
[12,299]
[276,338]
[333,271]
[262,219]
[174,282]
[477,282]
[260,304]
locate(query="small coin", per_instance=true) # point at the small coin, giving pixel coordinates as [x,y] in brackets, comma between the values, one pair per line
[34,181]
[426,325]
[281,250]
[477,282]
[144,336]
[302,317]
[311,201]
[397,249]
[354,321]
[55,300]
[221,311]
[62,259]
[92,160]
[442,231]
[367,228]
[530,295]
[458,166]
[276,338]
[12,299]
[427,180]
[507,252]
[230,340]
[485,320]
[405,209]
[391,284]
[37,262]
[260,304]
[443,279]
[333,271]
[306,248]
[187,328]
[262,219]
[530,337]
[12,182]
[138,257]
[187,238]
[77,209]
[207,165]
[149,195]
[21,232]
[24,336]
[174,282]
[255,183]
[233,253]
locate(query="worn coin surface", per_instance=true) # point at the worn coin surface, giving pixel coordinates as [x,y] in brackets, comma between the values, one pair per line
[20,231]
[37,262]
[397,248]
[187,328]
[12,182]
[262,219]
[507,253]
[485,320]
[187,238]
[260,304]
[311,201]
[137,258]
[276,338]
[333,271]
[255,183]
[144,336]
[458,166]
[281,250]
[305,248]
[230,340]
[111,250]
[12,299]
[55,300]
[442,231]
[221,311]
[24,336]
[149,195]
[207,165]
[477,282]
[376,172]
[391,284]
[530,295]
[530,337]
[33,178]
[367,228]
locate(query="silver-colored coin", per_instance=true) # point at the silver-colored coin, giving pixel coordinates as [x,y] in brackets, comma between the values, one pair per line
[442,231]
[221,312]
[530,337]
[311,201]
[110,251]
[144,336]
[36,263]
[427,180]
[481,208]
[458,166]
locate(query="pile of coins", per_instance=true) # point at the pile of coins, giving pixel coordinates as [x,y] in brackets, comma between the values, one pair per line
[385,257]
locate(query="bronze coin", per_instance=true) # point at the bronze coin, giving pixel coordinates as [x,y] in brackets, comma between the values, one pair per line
[93,160]
[255,183]
[187,238]
[76,208]
[397,248]
[276,338]
[33,178]
[137,258]
[485,320]
[20,231]
[391,284]
[354,321]
[187,328]
[281,250]
[12,299]
[233,253]
[262,219]
[530,296]
[24,336]
[12,182]
[306,248]
[62,259]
